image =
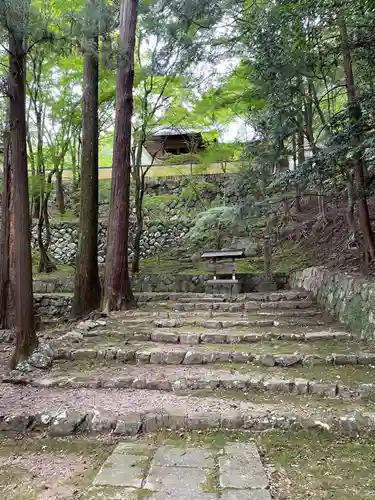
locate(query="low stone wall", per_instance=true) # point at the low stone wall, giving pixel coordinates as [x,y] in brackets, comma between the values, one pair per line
[49,307]
[163,283]
[157,236]
[349,298]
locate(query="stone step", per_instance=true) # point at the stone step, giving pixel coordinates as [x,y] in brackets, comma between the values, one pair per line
[295,305]
[209,298]
[145,312]
[229,337]
[228,322]
[176,355]
[199,380]
[63,412]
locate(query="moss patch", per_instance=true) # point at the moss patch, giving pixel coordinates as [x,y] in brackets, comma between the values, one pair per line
[319,467]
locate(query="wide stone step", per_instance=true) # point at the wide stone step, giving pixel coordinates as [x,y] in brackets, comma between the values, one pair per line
[178,355]
[287,295]
[296,305]
[247,337]
[63,412]
[234,323]
[200,381]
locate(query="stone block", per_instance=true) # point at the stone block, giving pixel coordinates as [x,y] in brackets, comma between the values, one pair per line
[193,358]
[109,493]
[344,359]
[101,421]
[158,385]
[125,356]
[66,423]
[152,422]
[213,338]
[233,338]
[189,338]
[128,425]
[177,419]
[142,356]
[366,358]
[278,385]
[16,423]
[197,421]
[83,354]
[314,336]
[160,336]
[323,389]
[253,337]
[301,386]
[139,383]
[215,357]
[174,357]
[288,359]
[265,359]
[240,357]
[231,420]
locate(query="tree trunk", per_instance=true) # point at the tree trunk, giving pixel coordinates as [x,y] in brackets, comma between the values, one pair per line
[7,264]
[26,340]
[60,200]
[360,171]
[118,292]
[46,265]
[351,205]
[87,291]
[139,194]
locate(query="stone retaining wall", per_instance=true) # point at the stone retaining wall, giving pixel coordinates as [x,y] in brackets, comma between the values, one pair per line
[49,307]
[157,236]
[349,298]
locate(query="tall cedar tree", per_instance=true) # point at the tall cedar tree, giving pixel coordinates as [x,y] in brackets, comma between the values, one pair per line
[26,340]
[87,292]
[118,292]
[7,264]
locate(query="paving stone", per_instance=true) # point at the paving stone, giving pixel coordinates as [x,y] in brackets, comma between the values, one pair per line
[241,467]
[168,456]
[110,493]
[246,495]
[189,338]
[182,495]
[124,477]
[175,479]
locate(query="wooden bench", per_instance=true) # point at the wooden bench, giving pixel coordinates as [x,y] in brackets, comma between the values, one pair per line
[223,262]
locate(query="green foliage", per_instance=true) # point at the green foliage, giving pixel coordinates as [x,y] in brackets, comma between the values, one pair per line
[214,226]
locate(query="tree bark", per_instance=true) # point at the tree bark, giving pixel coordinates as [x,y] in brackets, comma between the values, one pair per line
[60,200]
[118,292]
[360,171]
[7,264]
[87,291]
[26,340]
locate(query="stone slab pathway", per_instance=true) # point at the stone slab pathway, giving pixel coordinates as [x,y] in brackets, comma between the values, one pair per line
[135,471]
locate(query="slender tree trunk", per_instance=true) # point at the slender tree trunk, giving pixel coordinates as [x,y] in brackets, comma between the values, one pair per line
[351,205]
[118,292]
[26,340]
[139,194]
[7,264]
[360,171]
[87,291]
[60,200]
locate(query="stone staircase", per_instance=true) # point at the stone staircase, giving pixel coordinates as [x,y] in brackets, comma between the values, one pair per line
[196,361]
